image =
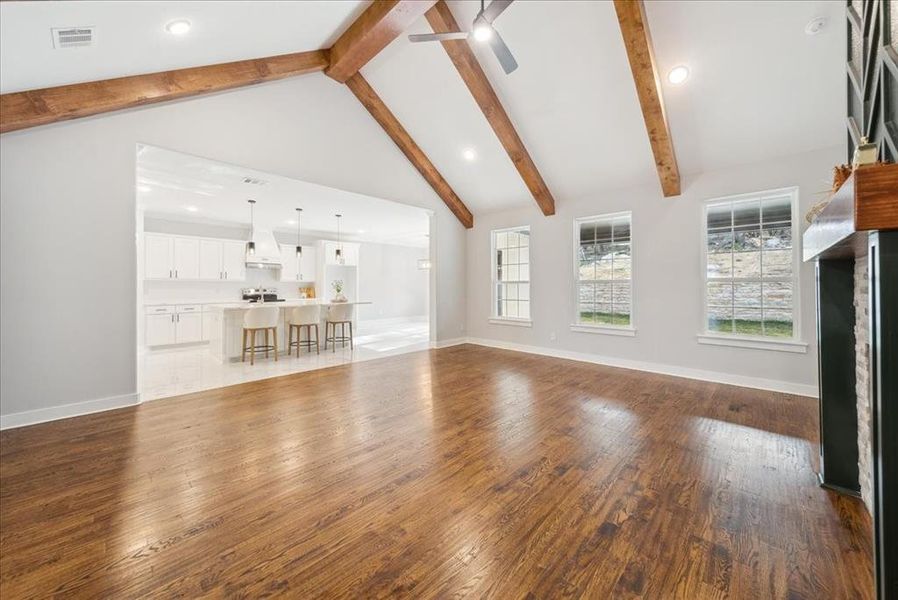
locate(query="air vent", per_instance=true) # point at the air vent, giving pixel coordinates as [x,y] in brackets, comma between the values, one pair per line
[254,181]
[73,37]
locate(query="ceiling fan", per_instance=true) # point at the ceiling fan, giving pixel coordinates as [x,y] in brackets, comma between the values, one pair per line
[483,31]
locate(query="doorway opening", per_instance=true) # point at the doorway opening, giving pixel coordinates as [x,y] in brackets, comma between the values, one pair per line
[206,256]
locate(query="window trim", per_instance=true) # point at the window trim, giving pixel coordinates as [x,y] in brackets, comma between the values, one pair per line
[605,328]
[494,318]
[716,338]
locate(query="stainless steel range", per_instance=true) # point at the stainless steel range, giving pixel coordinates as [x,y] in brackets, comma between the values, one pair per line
[261,295]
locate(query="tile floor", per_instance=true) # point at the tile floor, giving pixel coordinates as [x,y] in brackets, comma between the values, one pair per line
[174,371]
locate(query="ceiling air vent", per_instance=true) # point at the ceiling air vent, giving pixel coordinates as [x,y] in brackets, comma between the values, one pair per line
[73,37]
[254,181]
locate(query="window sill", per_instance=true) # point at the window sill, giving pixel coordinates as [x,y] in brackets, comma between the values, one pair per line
[753,342]
[604,329]
[510,321]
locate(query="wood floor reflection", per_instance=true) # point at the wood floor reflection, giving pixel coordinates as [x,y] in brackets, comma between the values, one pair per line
[459,472]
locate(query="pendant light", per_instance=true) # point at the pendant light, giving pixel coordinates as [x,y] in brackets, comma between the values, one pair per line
[298,241]
[251,245]
[339,253]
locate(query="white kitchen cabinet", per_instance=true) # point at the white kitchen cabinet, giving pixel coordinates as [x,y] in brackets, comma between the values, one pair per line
[308,264]
[233,260]
[193,259]
[160,329]
[350,253]
[187,258]
[158,256]
[302,270]
[209,323]
[211,260]
[188,327]
[289,263]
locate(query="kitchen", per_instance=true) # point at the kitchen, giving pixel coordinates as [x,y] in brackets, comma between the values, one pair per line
[216,241]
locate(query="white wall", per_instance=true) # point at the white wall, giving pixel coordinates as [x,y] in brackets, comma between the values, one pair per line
[67,223]
[667,235]
[389,277]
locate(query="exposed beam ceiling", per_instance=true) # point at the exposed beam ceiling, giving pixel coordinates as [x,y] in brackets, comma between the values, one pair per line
[442,21]
[638,41]
[380,24]
[371,101]
[20,110]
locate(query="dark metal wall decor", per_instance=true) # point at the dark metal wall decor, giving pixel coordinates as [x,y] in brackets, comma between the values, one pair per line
[872,72]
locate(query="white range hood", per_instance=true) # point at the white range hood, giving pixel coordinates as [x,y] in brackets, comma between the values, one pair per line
[267,253]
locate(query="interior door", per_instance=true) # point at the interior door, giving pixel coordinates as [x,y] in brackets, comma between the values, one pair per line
[233,260]
[187,258]
[158,257]
[210,260]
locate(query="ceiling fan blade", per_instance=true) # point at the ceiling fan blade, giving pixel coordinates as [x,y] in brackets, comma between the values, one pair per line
[495,9]
[509,64]
[438,37]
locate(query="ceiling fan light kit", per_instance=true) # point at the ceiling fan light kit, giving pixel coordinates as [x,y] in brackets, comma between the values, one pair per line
[483,31]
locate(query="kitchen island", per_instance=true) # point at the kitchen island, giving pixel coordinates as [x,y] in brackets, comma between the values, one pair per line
[226,322]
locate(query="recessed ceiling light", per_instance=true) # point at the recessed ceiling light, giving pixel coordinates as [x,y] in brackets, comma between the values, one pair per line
[144,188]
[178,26]
[469,154]
[361,231]
[191,208]
[291,221]
[678,75]
[815,25]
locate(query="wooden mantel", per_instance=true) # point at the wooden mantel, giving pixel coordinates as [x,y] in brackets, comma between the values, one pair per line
[867,201]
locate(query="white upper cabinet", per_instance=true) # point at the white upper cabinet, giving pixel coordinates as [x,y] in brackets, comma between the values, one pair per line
[193,259]
[302,269]
[350,253]
[210,260]
[233,260]
[307,264]
[158,257]
[187,258]
[289,263]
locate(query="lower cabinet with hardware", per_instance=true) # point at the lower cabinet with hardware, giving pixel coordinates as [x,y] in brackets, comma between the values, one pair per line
[167,325]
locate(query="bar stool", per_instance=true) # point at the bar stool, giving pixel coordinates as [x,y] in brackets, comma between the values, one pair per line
[304,316]
[260,318]
[338,314]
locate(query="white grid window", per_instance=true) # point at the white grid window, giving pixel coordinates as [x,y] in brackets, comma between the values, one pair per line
[511,273]
[604,270]
[751,266]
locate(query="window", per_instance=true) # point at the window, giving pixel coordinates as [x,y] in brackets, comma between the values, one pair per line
[751,266]
[604,270]
[511,274]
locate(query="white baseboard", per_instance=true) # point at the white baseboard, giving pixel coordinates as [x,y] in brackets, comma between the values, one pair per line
[447,343]
[676,371]
[42,415]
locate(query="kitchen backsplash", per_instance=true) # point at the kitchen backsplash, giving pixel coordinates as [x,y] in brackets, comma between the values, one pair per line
[175,291]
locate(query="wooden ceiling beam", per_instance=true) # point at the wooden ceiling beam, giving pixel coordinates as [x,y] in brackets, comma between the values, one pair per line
[381,23]
[442,21]
[391,125]
[20,110]
[641,54]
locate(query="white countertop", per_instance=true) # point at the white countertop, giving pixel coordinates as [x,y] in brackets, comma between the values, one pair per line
[246,305]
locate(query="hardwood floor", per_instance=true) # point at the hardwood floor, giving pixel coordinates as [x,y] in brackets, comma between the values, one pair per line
[459,472]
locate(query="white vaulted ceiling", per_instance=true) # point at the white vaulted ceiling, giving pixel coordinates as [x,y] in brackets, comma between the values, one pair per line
[131,36]
[759,86]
